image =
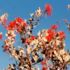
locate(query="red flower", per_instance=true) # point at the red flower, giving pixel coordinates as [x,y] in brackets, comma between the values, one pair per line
[20,24]
[24,23]
[54,26]
[19,29]
[0,36]
[49,37]
[27,41]
[12,25]
[50,31]
[19,20]
[32,37]
[61,34]
[44,68]
[48,9]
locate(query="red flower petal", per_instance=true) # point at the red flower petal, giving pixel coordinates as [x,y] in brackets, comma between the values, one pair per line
[44,68]
[32,37]
[54,26]
[11,25]
[0,36]
[51,34]
[48,9]
[49,37]
[61,34]
[27,41]
[19,19]
[20,23]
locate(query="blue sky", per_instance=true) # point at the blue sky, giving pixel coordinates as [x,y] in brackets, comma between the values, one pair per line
[23,8]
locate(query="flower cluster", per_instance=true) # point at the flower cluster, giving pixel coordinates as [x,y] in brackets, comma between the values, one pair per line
[47,48]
